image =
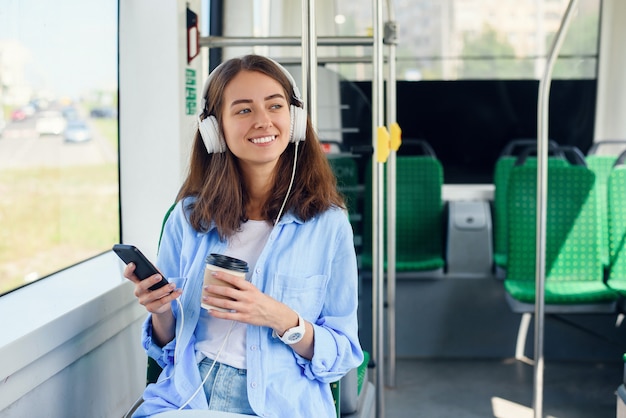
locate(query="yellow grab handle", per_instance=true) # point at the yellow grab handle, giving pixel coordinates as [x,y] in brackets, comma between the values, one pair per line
[382,145]
[396,136]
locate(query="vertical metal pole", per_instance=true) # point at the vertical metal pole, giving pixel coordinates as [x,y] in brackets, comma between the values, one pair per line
[309,59]
[216,28]
[377,211]
[304,54]
[391,202]
[542,186]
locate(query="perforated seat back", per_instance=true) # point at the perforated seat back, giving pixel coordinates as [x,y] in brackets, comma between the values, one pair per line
[616,205]
[502,173]
[574,272]
[602,166]
[346,172]
[419,212]
[419,215]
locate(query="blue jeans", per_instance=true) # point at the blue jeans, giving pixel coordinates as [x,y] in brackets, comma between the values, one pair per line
[226,388]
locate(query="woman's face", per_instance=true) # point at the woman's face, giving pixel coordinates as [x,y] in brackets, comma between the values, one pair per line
[255,119]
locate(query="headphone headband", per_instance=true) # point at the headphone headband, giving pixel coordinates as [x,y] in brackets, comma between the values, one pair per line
[292,81]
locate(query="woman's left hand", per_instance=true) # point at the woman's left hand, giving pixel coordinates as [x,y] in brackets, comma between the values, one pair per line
[246,303]
[249,305]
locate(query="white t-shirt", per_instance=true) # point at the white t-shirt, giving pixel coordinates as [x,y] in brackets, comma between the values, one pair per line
[246,245]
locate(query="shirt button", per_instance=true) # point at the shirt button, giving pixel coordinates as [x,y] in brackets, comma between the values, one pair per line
[258,271]
[253,385]
[253,347]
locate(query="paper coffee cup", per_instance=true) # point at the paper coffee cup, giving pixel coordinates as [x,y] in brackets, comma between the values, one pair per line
[219,262]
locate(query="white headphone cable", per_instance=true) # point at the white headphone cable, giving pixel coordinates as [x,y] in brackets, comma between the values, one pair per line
[293,175]
[182,324]
[232,324]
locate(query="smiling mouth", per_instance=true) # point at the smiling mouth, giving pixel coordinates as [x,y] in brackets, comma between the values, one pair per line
[263,140]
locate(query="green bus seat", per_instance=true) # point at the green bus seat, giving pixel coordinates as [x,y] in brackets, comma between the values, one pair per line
[346,171]
[601,163]
[502,172]
[616,205]
[574,271]
[419,215]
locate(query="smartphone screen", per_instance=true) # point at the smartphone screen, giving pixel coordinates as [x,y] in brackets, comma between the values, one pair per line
[144,268]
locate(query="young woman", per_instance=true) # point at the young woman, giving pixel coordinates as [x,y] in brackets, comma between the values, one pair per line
[259,189]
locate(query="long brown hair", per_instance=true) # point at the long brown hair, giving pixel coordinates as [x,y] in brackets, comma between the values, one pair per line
[216,180]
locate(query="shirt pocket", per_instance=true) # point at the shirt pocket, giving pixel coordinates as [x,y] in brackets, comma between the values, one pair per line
[305,295]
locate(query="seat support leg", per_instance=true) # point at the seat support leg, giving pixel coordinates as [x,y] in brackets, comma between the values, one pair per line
[522,334]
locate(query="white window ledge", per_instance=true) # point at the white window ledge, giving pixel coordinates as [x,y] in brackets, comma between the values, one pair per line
[48,325]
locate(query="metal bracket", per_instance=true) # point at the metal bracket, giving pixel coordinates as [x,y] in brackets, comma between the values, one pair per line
[390,34]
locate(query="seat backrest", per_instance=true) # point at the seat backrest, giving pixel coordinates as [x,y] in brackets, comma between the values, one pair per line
[346,171]
[501,175]
[502,172]
[601,157]
[419,214]
[572,241]
[616,215]
[602,166]
[165,218]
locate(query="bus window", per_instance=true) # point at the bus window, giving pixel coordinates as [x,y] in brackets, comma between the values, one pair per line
[479,39]
[58,136]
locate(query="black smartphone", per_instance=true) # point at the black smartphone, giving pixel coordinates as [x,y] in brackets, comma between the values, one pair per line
[144,268]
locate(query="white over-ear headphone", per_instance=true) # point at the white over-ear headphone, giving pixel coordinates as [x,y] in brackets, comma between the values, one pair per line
[209,127]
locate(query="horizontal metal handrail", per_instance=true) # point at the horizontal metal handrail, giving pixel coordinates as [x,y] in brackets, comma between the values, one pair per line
[223,41]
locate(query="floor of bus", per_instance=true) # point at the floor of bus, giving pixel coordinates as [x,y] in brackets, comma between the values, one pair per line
[501,388]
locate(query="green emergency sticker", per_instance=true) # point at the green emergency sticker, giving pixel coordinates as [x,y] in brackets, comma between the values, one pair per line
[191,103]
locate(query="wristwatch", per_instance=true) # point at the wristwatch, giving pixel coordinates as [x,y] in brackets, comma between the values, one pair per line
[292,335]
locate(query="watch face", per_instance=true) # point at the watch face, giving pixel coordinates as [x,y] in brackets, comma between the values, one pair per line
[295,336]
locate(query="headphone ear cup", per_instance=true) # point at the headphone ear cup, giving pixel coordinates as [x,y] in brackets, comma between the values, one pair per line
[298,124]
[211,135]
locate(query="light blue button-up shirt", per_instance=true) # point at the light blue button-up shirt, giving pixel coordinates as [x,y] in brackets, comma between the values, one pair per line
[311,267]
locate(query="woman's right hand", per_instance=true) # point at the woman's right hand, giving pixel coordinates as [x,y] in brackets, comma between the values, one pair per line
[158,302]
[155,301]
